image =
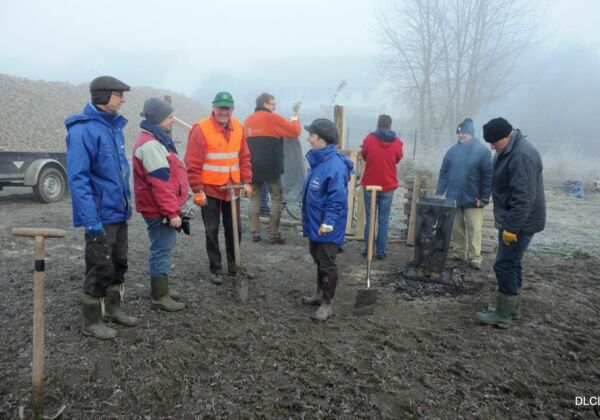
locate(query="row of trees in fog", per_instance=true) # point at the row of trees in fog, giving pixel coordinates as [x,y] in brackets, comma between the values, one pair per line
[450,59]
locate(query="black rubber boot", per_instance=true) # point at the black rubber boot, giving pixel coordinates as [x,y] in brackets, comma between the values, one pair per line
[316,298]
[113,311]
[160,295]
[502,316]
[92,319]
[325,311]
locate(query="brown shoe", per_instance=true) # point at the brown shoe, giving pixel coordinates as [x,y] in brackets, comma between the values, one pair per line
[277,239]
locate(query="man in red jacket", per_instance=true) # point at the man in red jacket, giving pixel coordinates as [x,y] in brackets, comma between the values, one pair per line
[265,132]
[382,151]
[161,189]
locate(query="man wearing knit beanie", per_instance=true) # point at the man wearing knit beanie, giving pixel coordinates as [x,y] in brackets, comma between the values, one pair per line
[519,213]
[160,186]
[101,201]
[466,178]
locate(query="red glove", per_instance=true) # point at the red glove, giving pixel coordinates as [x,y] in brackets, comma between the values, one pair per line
[200,198]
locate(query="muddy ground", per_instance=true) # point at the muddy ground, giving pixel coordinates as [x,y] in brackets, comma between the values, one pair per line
[421,355]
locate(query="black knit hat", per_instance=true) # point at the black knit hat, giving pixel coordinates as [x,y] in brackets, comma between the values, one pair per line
[156,110]
[102,87]
[496,129]
[466,127]
[323,128]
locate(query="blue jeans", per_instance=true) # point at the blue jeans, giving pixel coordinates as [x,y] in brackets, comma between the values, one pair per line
[383,204]
[162,241]
[508,267]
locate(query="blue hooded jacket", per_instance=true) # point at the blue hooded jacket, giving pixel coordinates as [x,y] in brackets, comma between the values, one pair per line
[466,173]
[325,197]
[97,168]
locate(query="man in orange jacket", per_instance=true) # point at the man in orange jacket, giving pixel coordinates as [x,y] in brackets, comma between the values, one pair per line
[217,155]
[265,131]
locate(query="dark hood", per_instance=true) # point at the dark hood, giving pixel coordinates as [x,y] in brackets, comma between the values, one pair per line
[385,134]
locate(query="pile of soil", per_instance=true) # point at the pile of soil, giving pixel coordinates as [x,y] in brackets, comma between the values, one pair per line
[421,355]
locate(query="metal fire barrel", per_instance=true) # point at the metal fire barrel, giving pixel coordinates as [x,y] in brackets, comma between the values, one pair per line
[435,218]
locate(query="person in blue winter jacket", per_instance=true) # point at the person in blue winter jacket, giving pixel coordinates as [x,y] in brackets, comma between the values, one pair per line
[466,178]
[98,174]
[324,210]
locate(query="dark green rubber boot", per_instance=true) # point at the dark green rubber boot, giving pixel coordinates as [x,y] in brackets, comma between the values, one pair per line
[516,312]
[113,311]
[502,315]
[160,295]
[92,319]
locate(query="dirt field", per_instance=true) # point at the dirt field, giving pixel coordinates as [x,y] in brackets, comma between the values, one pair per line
[421,355]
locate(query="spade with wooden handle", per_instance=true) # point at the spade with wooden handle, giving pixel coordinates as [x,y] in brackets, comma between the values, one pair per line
[40,236]
[366,298]
[240,283]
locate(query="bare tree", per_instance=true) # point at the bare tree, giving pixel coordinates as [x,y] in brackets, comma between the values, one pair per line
[452,57]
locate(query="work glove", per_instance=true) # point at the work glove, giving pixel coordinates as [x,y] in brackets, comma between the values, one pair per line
[95,230]
[508,237]
[325,228]
[200,199]
[185,224]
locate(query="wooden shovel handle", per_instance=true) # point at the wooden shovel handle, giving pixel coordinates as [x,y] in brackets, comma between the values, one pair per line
[33,232]
[373,189]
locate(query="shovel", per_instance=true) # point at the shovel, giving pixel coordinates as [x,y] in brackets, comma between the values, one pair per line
[366,298]
[240,283]
[39,274]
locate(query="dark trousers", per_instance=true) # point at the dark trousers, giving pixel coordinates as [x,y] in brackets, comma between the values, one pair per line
[105,259]
[324,254]
[508,267]
[211,216]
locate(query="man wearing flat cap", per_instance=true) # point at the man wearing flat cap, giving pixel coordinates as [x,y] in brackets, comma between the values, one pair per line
[324,210]
[216,155]
[519,213]
[98,174]
[466,178]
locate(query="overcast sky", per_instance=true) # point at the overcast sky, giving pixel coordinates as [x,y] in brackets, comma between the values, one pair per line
[44,39]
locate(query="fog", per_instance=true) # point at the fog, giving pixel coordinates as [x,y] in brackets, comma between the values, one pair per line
[299,51]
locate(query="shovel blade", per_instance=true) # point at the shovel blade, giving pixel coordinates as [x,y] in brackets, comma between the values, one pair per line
[365,302]
[240,288]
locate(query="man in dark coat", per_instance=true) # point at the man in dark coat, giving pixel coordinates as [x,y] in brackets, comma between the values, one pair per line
[519,212]
[466,178]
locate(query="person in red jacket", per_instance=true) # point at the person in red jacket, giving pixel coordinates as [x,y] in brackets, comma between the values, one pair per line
[216,155]
[381,151]
[265,131]
[161,188]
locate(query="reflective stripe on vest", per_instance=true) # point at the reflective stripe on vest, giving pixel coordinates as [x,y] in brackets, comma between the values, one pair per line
[222,160]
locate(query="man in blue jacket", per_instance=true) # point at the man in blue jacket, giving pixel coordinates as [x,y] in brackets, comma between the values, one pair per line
[98,174]
[519,213]
[324,210]
[466,177]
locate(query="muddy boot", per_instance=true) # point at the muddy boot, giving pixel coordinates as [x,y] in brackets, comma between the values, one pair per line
[92,319]
[516,312]
[316,298]
[329,283]
[160,295]
[502,316]
[113,311]
[324,311]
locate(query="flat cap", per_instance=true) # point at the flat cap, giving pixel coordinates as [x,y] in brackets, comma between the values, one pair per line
[108,83]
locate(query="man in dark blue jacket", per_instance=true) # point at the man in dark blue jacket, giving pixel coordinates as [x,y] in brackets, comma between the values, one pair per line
[324,210]
[519,213]
[466,177]
[98,174]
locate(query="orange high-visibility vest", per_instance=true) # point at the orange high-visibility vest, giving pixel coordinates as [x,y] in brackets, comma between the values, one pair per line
[222,156]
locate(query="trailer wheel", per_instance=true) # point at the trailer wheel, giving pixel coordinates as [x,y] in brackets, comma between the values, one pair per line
[51,185]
